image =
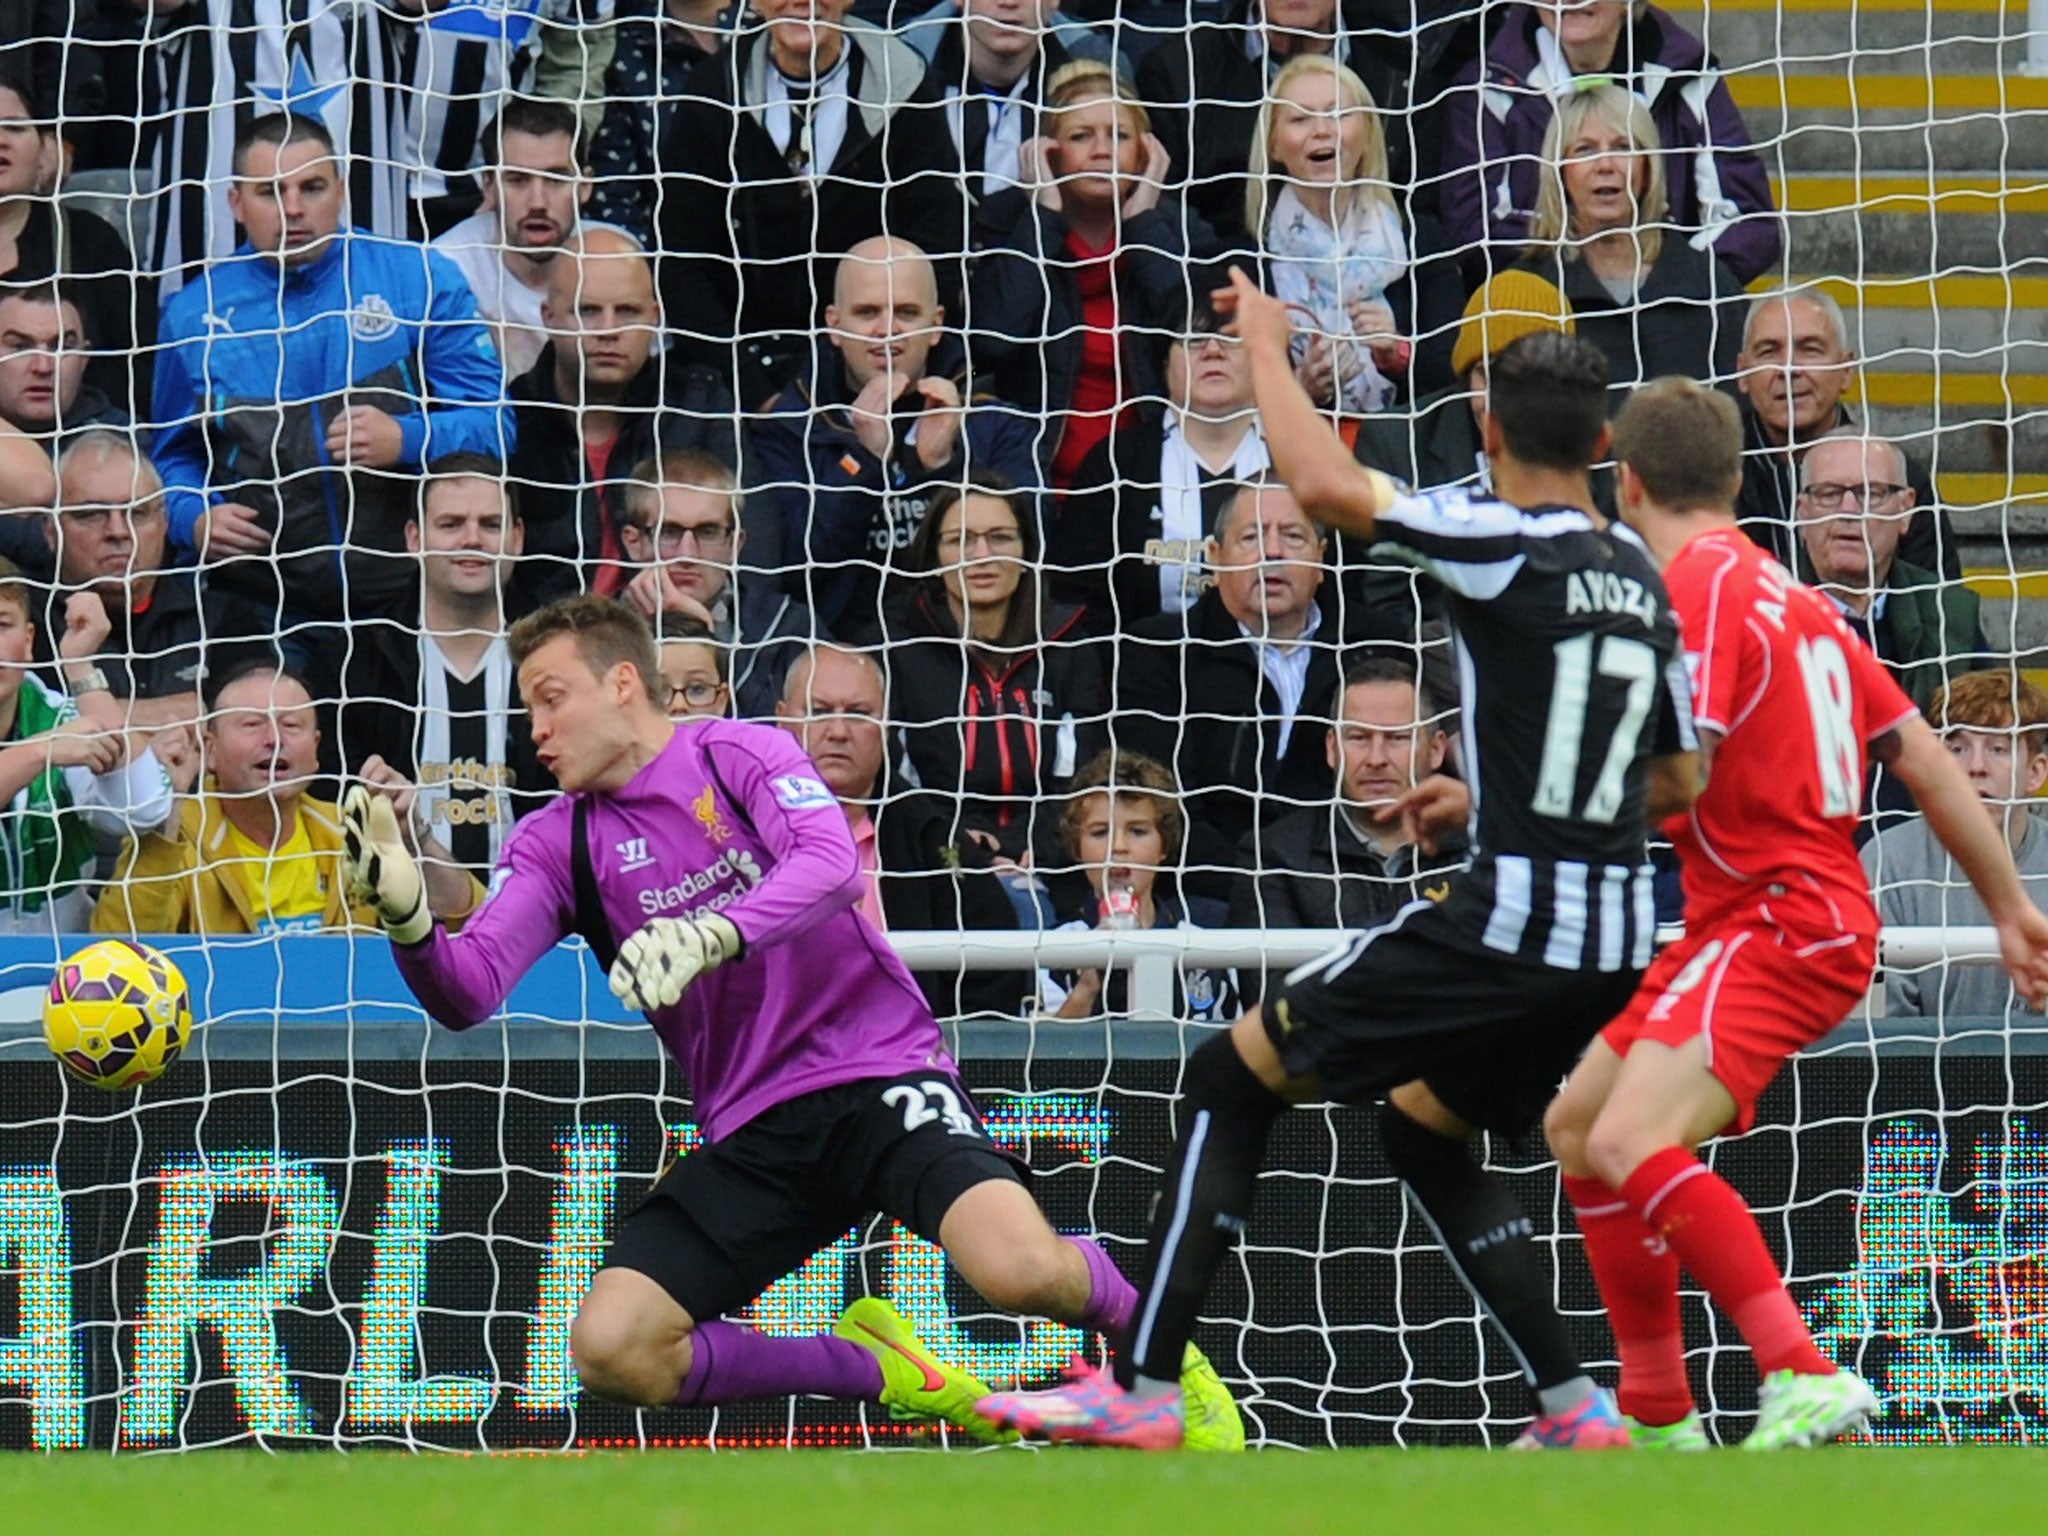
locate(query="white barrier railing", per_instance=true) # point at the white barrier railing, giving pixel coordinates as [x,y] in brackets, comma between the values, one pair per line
[1152,956]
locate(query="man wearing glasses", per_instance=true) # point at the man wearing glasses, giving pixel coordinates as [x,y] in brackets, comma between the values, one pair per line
[122,625]
[1854,503]
[682,535]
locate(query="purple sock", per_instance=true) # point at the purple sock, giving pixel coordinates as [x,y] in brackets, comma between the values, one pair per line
[729,1363]
[1111,1298]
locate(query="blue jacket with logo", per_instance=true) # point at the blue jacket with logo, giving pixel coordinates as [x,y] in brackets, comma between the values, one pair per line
[257,363]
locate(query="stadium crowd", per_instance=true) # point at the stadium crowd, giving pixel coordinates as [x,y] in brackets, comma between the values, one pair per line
[866,349]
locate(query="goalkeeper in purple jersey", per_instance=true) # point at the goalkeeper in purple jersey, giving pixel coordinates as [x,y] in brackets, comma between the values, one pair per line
[716,877]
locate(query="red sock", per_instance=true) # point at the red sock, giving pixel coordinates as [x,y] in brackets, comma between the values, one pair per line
[1711,1231]
[1638,1275]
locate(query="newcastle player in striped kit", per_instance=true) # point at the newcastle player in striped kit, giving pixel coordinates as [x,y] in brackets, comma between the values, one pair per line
[1463,1015]
[715,875]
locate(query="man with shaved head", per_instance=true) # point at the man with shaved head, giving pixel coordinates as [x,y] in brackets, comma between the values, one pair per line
[603,397]
[852,464]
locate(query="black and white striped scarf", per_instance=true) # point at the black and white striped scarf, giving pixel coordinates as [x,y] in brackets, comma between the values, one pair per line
[216,65]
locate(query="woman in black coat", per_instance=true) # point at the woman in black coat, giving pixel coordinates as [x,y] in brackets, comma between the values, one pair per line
[1643,294]
[1059,306]
[999,699]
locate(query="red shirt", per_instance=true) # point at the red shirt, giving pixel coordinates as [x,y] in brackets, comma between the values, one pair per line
[1795,697]
[1098,393]
[610,577]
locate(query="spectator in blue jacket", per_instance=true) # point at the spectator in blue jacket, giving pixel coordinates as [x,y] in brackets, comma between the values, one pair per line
[304,384]
[853,459]
[1497,112]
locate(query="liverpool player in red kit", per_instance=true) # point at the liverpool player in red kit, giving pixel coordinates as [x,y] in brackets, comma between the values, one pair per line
[1780,936]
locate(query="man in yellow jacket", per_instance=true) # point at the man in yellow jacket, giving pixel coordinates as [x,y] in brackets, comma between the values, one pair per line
[252,852]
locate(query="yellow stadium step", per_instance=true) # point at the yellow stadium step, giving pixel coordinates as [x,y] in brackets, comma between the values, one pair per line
[1766,89]
[1952,291]
[2015,391]
[1964,489]
[2022,193]
[2001,586]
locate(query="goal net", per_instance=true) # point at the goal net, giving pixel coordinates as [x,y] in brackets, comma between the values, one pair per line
[1001,473]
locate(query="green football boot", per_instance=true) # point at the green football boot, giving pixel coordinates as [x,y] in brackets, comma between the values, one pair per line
[1210,1412]
[917,1384]
[1688,1434]
[1797,1412]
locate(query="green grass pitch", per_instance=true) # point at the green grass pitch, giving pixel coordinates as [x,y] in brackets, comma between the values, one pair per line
[1934,1492]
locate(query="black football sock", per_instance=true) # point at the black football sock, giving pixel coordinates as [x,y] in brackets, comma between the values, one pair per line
[1491,1243]
[1205,1197]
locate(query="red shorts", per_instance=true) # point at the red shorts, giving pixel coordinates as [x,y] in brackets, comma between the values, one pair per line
[1756,987]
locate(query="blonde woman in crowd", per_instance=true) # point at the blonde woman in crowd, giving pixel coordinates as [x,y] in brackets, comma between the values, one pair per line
[1331,231]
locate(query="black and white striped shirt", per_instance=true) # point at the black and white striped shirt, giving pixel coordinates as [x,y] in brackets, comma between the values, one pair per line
[1571,679]
[454,81]
[217,64]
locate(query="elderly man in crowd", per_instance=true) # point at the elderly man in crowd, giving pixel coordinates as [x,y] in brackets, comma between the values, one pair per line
[1236,694]
[253,852]
[917,872]
[1795,366]
[1854,505]
[121,623]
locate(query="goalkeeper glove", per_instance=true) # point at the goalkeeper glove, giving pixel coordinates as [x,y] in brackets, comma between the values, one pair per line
[664,956]
[380,869]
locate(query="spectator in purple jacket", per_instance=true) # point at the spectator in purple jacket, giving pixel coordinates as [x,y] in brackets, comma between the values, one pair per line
[1501,106]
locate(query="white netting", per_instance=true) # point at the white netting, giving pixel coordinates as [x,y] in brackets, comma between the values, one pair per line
[335,1224]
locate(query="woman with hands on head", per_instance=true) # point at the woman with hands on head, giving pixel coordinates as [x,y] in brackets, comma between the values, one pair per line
[1060,308]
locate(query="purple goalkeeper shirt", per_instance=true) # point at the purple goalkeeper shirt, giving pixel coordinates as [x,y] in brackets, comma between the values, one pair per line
[760,840]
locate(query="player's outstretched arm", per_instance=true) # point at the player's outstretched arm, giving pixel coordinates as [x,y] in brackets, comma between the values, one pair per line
[1332,486]
[460,980]
[1957,818]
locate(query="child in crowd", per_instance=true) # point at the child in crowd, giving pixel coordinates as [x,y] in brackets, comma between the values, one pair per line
[693,665]
[1124,827]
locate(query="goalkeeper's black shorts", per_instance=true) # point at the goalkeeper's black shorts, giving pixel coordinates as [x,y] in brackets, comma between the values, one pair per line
[1491,1035]
[737,1214]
